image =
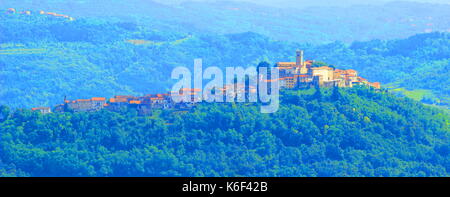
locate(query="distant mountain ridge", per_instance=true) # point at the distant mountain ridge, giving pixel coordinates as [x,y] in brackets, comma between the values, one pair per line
[314,25]
[298,4]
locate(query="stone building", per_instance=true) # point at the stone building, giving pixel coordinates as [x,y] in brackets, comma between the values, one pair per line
[302,74]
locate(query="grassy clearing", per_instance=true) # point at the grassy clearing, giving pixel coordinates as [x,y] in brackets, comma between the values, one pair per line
[416,94]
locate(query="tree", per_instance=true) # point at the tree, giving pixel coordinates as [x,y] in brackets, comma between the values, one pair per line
[318,93]
[266,65]
[336,95]
[319,64]
[4,112]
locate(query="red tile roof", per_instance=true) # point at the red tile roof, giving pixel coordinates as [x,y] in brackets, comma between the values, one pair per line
[191,90]
[283,67]
[135,102]
[40,108]
[286,63]
[322,68]
[98,99]
[118,100]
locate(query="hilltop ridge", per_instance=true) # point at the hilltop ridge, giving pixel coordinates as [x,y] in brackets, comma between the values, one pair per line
[354,23]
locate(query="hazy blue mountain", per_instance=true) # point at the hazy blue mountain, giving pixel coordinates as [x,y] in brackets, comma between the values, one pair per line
[320,24]
[306,3]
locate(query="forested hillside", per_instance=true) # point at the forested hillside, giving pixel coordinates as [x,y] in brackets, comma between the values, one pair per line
[319,24]
[329,132]
[131,49]
[44,58]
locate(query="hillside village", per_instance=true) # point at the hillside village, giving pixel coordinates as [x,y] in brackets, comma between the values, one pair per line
[301,74]
[292,75]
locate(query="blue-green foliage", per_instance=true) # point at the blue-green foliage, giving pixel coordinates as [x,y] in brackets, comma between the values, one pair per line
[315,25]
[43,59]
[346,132]
[94,57]
[418,62]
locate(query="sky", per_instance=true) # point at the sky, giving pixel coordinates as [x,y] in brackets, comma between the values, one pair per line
[308,3]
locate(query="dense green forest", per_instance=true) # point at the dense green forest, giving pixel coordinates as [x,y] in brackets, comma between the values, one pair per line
[44,58]
[131,49]
[324,132]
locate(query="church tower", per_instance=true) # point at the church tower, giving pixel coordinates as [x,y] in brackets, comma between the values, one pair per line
[299,58]
[300,63]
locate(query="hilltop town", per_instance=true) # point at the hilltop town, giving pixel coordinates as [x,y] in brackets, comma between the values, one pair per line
[302,74]
[292,75]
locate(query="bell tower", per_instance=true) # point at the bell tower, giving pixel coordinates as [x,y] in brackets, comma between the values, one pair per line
[299,58]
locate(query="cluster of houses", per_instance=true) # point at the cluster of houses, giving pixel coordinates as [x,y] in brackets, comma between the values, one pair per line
[302,74]
[27,12]
[292,75]
[143,104]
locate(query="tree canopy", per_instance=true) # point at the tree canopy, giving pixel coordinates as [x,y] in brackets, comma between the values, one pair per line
[358,133]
